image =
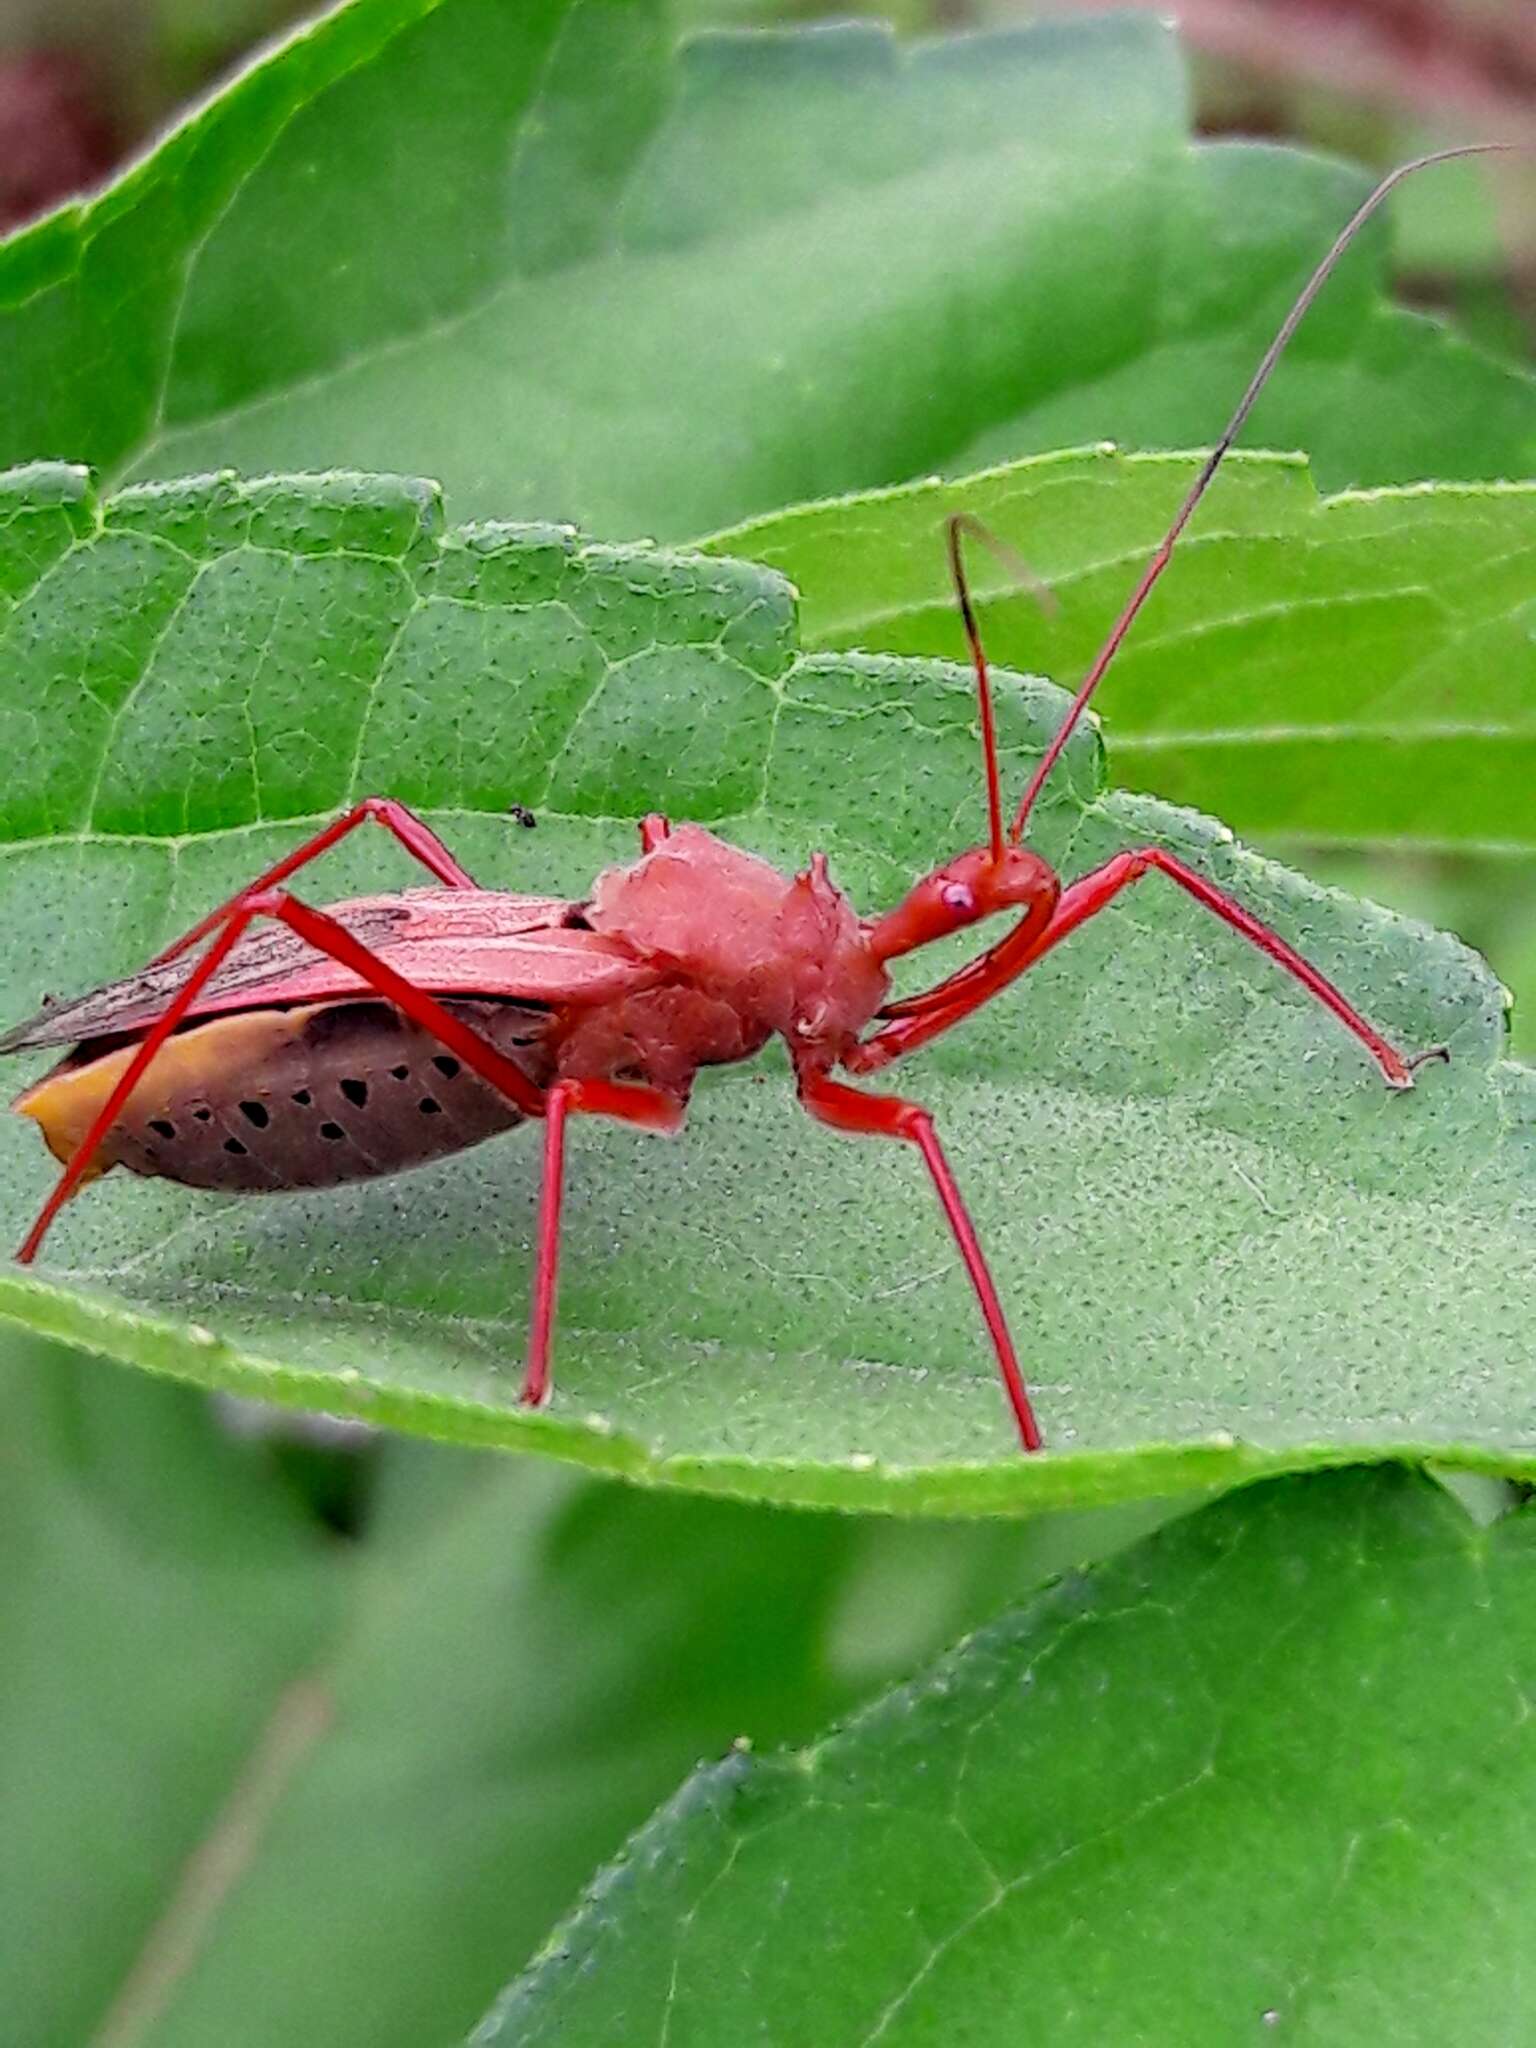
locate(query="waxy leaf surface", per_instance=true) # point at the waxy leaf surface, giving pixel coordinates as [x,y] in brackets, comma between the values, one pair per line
[1224,1245]
[1264,1776]
[540,254]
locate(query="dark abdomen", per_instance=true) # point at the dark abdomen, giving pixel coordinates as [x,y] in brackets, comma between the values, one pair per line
[307,1097]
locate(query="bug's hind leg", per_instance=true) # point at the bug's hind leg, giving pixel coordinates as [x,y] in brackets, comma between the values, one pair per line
[889,1116]
[327,936]
[649,1109]
[419,840]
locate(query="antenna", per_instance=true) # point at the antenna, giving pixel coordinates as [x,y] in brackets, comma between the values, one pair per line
[957,524]
[1212,462]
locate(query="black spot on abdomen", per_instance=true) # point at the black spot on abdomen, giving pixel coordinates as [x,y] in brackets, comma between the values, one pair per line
[312,1100]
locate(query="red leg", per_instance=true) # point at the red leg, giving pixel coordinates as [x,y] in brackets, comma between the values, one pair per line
[974,985]
[887,1116]
[419,840]
[653,829]
[649,1109]
[327,936]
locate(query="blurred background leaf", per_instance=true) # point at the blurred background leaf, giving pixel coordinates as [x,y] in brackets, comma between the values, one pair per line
[160,1605]
[302,1787]
[1265,1771]
[652,291]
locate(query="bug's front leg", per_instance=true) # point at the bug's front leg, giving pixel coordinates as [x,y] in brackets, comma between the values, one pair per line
[919,1020]
[648,1109]
[847,1109]
[1093,892]
[418,839]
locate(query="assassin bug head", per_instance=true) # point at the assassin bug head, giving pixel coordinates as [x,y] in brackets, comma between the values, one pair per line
[985,879]
[966,889]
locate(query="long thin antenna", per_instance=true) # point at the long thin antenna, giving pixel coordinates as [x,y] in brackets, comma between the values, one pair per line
[957,524]
[1212,462]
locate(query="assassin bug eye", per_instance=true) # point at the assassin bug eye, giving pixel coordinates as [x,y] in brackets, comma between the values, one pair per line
[957,896]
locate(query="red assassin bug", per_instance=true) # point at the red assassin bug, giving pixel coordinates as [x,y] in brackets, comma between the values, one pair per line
[389,1030]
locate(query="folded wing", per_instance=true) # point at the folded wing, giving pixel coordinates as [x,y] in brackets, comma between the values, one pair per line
[469,942]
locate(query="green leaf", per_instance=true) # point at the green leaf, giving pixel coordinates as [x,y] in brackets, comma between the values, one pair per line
[1268,1771]
[160,1606]
[1489,899]
[1360,667]
[232,1745]
[535,252]
[528,1665]
[1209,1220]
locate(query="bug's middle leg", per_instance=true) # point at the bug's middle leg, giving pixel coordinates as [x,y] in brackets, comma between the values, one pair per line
[888,1116]
[648,1109]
